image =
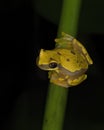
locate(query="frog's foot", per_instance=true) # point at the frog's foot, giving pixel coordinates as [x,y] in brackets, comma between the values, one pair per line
[77,81]
[60,83]
[54,78]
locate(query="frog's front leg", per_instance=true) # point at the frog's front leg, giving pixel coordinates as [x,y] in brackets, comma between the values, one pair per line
[76,81]
[56,79]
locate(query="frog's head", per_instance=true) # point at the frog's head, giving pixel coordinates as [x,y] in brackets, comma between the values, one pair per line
[48,60]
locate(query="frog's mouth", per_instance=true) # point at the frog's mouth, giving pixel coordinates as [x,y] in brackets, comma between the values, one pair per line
[46,67]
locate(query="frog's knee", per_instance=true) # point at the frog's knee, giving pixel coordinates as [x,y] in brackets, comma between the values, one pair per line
[77,81]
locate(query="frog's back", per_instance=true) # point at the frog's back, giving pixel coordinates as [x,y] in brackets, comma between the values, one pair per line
[72,61]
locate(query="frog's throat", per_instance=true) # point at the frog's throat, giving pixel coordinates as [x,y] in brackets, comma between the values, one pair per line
[46,67]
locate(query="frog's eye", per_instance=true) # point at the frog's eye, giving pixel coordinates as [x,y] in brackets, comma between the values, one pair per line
[53,65]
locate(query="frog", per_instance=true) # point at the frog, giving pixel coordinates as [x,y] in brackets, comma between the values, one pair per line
[67,63]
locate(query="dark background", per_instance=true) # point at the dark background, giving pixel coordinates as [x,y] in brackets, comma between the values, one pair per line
[23,86]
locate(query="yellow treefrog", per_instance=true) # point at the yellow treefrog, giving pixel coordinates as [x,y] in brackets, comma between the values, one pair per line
[67,63]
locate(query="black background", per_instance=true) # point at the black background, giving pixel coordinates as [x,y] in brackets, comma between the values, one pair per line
[23,85]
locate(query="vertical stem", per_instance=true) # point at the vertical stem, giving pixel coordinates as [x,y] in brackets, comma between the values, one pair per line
[57,96]
[55,108]
[69,17]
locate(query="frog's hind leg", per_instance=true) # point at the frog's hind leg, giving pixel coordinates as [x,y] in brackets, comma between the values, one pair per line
[76,81]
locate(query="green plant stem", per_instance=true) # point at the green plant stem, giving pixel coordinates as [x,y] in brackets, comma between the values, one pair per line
[57,96]
[69,17]
[55,108]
